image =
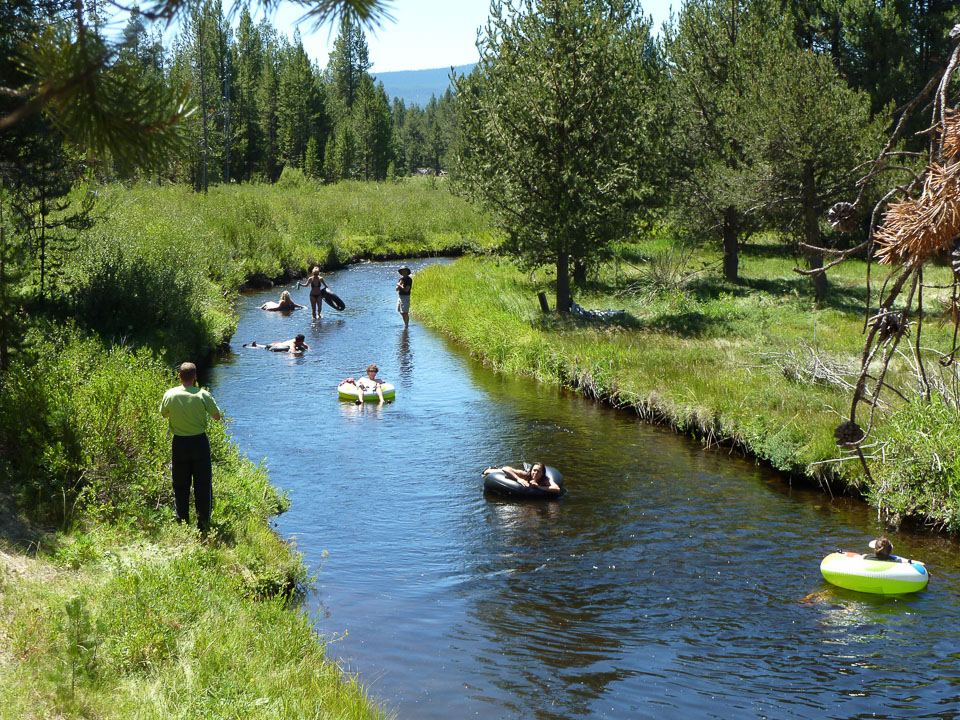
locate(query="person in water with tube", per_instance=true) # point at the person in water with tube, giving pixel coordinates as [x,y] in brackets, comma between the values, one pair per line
[882,549]
[285,303]
[318,286]
[371,383]
[294,345]
[535,477]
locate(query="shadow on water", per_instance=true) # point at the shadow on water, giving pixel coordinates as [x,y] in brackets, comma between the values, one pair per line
[668,581]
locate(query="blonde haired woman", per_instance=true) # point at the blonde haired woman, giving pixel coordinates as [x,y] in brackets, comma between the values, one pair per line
[318,287]
[286,303]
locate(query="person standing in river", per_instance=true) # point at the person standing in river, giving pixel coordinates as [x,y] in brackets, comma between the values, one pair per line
[318,287]
[186,408]
[404,285]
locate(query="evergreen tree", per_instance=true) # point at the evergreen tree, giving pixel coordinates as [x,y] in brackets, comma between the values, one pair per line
[313,162]
[348,64]
[267,103]
[807,132]
[887,49]
[716,53]
[374,130]
[37,167]
[13,269]
[553,126]
[247,62]
[299,106]
[398,111]
[413,139]
[340,154]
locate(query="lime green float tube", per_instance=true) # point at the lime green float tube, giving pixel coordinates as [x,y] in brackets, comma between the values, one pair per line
[865,573]
[349,391]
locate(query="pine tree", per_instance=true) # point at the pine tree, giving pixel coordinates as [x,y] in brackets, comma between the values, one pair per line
[807,132]
[313,164]
[374,130]
[298,104]
[716,53]
[348,64]
[247,63]
[553,120]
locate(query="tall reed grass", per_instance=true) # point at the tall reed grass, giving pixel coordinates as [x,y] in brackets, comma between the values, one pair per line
[163,263]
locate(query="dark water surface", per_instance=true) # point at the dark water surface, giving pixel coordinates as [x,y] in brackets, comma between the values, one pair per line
[670,581]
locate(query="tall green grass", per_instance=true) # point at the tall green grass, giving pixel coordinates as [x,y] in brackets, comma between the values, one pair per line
[723,361]
[237,233]
[163,263]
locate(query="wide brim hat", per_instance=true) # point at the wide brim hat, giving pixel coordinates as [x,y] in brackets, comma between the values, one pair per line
[404,269]
[873,545]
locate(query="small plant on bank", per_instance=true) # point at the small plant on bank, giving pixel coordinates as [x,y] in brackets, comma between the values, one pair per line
[80,641]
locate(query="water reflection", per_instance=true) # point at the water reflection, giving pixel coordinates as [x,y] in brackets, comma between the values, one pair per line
[404,357]
[668,581]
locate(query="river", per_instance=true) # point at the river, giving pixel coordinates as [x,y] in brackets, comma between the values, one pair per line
[670,581]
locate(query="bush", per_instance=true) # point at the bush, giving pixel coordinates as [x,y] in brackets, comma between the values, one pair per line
[82,439]
[919,474]
[157,300]
[79,425]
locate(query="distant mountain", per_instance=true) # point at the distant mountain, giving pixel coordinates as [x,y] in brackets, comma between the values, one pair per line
[416,86]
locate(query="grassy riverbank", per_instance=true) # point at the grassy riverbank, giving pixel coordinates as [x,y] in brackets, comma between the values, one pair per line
[124,613]
[753,363]
[108,608]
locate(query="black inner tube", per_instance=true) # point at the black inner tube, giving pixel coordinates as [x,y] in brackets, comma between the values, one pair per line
[333,300]
[498,483]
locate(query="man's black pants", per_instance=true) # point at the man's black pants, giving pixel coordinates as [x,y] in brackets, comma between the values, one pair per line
[191,464]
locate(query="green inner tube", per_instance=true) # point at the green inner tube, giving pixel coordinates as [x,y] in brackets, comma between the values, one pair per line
[349,391]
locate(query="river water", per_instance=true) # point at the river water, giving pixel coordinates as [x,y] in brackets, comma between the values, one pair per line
[670,581]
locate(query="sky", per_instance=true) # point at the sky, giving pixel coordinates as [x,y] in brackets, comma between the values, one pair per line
[423,33]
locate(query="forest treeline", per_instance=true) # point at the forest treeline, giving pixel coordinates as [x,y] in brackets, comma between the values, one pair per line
[733,118]
[264,105]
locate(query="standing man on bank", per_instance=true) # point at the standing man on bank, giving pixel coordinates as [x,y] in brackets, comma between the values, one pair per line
[404,285]
[187,407]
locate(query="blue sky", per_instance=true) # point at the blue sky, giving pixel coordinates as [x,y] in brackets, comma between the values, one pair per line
[423,33]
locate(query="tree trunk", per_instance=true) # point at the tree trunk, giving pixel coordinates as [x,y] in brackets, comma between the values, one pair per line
[563,283]
[820,283]
[579,272]
[731,244]
[811,233]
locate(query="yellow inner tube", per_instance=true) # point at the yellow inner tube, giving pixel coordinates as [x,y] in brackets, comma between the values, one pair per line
[865,573]
[349,391]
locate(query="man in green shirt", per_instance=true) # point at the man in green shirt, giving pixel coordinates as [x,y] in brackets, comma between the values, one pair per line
[186,407]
